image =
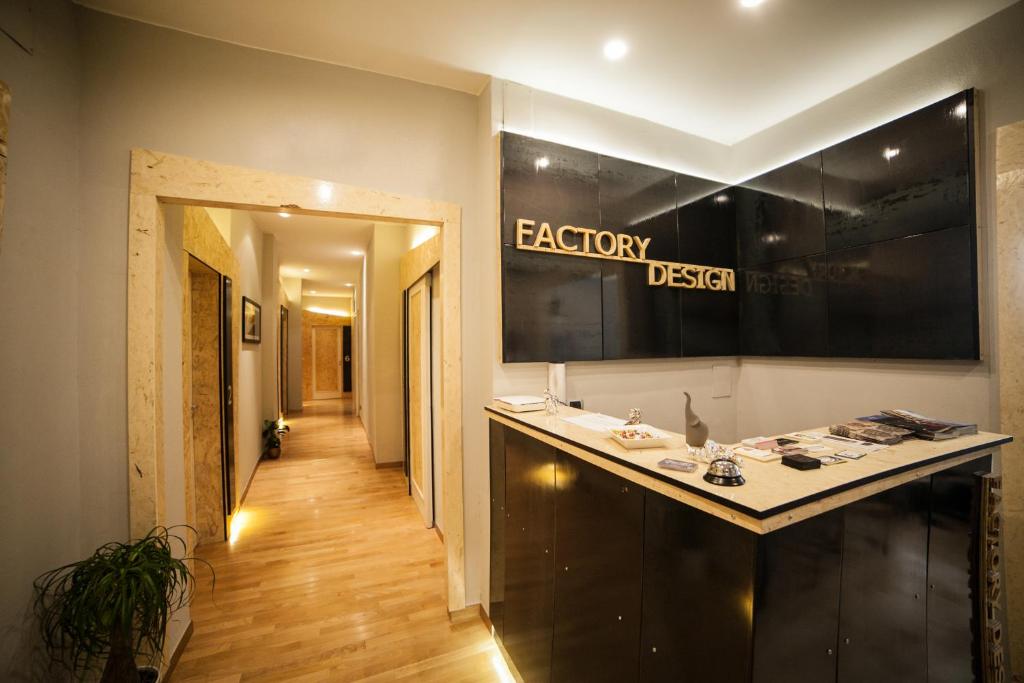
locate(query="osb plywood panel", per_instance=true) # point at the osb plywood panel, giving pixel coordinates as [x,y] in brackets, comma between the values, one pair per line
[326,368]
[1010,240]
[206,423]
[309,320]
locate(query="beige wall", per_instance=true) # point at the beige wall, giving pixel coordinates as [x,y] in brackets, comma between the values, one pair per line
[53,509]
[143,86]
[384,397]
[247,245]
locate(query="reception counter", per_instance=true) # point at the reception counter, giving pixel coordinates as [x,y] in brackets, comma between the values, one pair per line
[605,567]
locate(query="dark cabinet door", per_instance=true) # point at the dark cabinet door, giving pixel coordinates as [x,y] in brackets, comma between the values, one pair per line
[882,608]
[598,571]
[496,603]
[953,648]
[529,554]
[698,592]
[796,609]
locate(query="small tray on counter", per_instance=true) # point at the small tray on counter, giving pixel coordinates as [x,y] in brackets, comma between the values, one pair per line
[651,437]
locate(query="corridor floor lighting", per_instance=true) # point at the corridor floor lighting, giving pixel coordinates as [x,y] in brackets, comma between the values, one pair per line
[238,522]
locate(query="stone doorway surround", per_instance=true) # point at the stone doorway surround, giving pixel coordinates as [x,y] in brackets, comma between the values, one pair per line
[158,178]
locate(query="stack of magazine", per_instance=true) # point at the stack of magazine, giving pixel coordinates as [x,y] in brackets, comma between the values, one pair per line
[920,426]
[871,431]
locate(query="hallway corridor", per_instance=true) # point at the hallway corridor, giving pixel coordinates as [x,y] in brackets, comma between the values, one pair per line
[331,576]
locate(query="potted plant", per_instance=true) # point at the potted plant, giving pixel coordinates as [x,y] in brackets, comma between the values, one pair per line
[273,430]
[113,607]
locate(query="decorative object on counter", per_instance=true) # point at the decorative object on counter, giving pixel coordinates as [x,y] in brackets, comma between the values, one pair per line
[114,606]
[520,404]
[273,431]
[639,436]
[556,381]
[696,430]
[634,417]
[550,402]
[831,460]
[724,472]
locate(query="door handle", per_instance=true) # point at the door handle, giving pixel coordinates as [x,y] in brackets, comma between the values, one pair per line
[348,358]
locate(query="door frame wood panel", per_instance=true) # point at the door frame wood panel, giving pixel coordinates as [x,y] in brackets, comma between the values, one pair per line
[419,408]
[158,179]
[326,393]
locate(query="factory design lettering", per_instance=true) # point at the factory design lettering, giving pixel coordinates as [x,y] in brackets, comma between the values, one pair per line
[603,244]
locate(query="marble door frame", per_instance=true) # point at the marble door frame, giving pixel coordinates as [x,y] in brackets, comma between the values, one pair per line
[158,178]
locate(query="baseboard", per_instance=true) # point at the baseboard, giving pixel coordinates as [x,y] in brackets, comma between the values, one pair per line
[440,534]
[245,491]
[386,465]
[176,655]
[461,616]
[485,618]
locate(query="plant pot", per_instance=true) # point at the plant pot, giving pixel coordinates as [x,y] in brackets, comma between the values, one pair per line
[149,674]
[274,453]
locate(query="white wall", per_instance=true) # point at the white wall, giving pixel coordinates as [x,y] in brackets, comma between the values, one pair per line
[247,245]
[776,394]
[53,507]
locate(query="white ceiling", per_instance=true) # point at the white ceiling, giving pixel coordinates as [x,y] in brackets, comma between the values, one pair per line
[707,67]
[324,245]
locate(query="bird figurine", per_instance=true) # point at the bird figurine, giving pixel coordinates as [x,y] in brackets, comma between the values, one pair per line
[696,429]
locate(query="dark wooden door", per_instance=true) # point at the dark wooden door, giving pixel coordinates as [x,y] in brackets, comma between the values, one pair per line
[882,616]
[346,358]
[698,592]
[953,566]
[227,397]
[796,603]
[529,554]
[496,604]
[599,529]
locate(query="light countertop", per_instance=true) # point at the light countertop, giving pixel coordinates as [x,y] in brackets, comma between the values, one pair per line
[774,495]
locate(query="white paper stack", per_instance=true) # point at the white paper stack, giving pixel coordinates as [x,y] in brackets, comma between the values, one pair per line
[519,404]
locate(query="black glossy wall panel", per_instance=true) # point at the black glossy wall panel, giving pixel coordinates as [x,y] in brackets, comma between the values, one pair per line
[783,308]
[564,191]
[698,592]
[550,314]
[953,579]
[529,553]
[496,604]
[779,214]
[913,297]
[796,612]
[598,574]
[885,551]
[707,235]
[639,321]
[909,176]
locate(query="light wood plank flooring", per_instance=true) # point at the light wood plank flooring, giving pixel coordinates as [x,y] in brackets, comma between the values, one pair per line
[332,577]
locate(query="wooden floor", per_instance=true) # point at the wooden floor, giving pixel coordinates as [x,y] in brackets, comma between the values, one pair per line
[332,576]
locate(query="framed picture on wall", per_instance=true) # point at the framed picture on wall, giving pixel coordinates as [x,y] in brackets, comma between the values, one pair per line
[250,321]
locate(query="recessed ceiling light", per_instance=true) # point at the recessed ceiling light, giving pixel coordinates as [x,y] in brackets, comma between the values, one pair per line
[615,49]
[348,284]
[356,252]
[543,162]
[305,270]
[312,291]
[751,3]
[890,152]
[284,214]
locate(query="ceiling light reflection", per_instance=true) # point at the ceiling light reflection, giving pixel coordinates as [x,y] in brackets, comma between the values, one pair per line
[543,162]
[615,49]
[890,153]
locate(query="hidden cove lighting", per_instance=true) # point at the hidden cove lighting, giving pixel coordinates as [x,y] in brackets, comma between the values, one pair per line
[615,49]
